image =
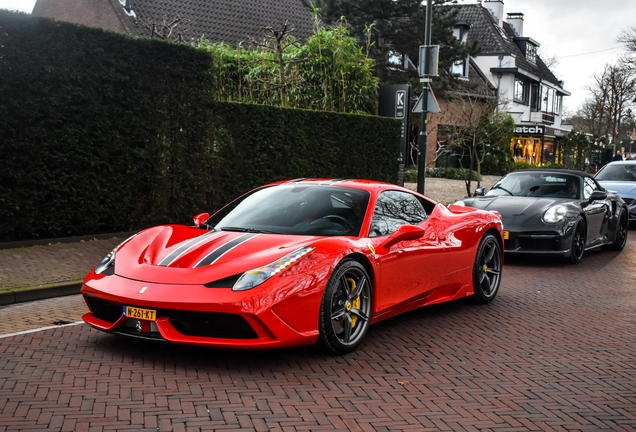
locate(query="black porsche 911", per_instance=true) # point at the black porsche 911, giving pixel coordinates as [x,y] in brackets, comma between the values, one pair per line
[558,212]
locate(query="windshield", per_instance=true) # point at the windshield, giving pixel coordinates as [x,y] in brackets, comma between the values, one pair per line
[296,209]
[617,172]
[538,184]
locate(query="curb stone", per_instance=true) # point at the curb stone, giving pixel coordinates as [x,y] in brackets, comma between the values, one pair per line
[39,292]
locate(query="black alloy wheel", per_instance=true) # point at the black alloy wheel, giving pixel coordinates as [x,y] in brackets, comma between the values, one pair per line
[345,311]
[487,269]
[622,228]
[578,242]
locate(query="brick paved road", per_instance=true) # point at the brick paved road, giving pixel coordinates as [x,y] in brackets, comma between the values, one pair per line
[555,351]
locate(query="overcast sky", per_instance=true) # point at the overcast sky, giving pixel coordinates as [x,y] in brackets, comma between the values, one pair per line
[581,34]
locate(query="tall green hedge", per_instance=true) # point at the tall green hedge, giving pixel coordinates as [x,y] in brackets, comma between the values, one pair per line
[101,132]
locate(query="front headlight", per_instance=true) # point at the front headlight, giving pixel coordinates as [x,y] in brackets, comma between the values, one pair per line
[106,263]
[253,278]
[554,214]
[109,260]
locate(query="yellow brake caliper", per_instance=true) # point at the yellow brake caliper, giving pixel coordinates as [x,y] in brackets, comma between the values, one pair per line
[354,304]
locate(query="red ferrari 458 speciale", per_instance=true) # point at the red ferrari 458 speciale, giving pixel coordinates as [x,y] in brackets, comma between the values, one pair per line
[296,262]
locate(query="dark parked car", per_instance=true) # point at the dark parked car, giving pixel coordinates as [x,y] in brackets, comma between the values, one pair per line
[557,212]
[620,177]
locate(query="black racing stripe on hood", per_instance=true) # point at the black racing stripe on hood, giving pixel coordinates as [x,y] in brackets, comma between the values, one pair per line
[183,249]
[219,252]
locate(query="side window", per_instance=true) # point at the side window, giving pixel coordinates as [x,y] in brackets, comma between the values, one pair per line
[589,187]
[394,209]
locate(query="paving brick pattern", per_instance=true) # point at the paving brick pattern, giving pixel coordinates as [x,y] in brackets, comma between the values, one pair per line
[59,262]
[555,351]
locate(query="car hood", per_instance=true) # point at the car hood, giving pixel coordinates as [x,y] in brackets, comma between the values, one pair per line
[515,211]
[185,255]
[622,188]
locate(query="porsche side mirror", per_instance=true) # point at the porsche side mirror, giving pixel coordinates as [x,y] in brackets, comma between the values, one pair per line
[405,232]
[480,191]
[598,195]
[200,219]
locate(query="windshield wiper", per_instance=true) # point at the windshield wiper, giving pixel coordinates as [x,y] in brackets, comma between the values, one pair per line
[503,189]
[247,230]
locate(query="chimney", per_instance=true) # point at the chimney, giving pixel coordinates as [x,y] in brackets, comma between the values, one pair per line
[515,19]
[496,9]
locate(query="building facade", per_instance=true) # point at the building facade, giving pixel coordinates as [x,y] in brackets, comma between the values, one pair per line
[525,87]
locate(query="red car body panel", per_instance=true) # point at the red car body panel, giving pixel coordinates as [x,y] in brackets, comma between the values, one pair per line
[166,269]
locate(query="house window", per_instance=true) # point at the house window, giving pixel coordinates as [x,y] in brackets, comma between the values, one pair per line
[557,104]
[549,100]
[535,97]
[460,68]
[531,53]
[520,91]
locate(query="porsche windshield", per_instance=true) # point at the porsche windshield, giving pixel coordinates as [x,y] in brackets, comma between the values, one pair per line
[538,184]
[618,172]
[296,209]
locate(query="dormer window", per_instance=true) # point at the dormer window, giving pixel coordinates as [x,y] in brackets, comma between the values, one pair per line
[531,53]
[460,67]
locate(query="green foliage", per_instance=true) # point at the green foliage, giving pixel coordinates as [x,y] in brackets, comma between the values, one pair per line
[105,133]
[316,148]
[331,73]
[528,165]
[388,27]
[410,174]
[95,126]
[577,151]
[496,133]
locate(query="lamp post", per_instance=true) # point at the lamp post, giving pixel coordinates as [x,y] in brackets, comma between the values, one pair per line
[423,139]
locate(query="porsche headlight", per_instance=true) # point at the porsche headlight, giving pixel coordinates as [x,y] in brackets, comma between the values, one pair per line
[106,263]
[253,278]
[554,214]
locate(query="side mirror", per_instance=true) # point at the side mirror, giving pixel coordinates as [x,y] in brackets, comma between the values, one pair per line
[598,195]
[480,191]
[405,232]
[200,219]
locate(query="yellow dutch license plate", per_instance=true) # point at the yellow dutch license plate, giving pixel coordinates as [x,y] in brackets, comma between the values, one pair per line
[139,313]
[506,235]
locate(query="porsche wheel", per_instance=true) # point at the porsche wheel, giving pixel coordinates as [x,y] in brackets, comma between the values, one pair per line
[578,242]
[345,312]
[621,233]
[487,270]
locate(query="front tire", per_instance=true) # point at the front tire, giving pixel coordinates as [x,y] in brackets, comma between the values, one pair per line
[487,269]
[621,233]
[578,242]
[345,311]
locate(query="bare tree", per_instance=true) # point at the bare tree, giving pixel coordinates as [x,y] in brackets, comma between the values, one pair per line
[479,131]
[628,37]
[163,30]
[611,96]
[277,40]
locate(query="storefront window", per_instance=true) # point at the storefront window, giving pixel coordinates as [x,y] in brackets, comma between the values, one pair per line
[548,152]
[527,150]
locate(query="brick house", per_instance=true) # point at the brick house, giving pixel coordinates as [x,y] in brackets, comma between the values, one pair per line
[523,85]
